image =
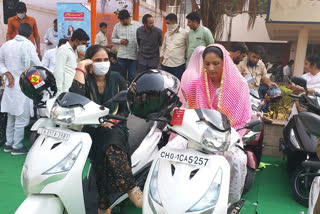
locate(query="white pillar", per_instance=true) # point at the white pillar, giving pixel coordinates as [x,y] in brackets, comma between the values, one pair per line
[301,51]
[293,50]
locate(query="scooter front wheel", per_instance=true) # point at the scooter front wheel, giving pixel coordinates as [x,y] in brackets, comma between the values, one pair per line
[39,204]
[300,185]
[33,137]
[249,180]
[3,125]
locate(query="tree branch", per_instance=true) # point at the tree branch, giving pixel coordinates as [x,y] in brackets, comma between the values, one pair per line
[195,5]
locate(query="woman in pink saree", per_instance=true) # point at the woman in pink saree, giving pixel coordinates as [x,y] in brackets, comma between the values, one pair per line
[221,87]
[193,70]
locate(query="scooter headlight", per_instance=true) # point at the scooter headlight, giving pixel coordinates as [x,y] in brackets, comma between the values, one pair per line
[153,187]
[66,164]
[214,140]
[62,116]
[209,200]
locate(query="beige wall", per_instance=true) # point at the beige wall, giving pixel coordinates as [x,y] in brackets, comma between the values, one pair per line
[240,32]
[295,10]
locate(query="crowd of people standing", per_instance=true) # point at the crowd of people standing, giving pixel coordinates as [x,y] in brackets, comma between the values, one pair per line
[98,73]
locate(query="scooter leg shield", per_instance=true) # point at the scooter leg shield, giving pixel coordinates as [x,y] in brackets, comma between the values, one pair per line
[39,204]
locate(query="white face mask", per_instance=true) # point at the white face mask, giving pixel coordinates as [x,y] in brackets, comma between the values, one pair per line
[172,27]
[101,68]
[81,48]
[21,15]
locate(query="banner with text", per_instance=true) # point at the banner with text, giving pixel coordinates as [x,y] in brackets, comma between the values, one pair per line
[72,16]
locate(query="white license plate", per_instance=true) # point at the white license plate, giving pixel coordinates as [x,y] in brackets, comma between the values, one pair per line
[184,158]
[54,134]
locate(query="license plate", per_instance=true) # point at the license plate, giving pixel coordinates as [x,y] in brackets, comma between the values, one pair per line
[54,134]
[184,158]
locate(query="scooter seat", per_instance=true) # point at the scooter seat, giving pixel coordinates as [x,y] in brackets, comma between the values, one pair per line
[311,121]
[138,129]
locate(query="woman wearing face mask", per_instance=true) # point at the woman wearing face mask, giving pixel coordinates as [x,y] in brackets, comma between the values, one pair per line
[110,148]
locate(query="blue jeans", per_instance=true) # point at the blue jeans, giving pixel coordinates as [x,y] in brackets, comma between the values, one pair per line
[263,90]
[176,71]
[129,68]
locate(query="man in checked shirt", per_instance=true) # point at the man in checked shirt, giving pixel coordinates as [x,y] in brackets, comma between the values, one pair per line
[124,34]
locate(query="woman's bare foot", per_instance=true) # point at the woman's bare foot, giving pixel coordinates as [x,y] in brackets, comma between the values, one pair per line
[136,196]
[107,211]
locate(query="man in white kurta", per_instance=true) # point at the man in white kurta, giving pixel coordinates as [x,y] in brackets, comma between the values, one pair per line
[67,59]
[49,57]
[15,56]
[51,37]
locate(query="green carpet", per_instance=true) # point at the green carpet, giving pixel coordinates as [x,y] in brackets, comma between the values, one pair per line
[269,195]
[271,192]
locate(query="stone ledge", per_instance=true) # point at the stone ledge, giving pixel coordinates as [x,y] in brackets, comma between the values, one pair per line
[272,135]
[278,122]
[271,151]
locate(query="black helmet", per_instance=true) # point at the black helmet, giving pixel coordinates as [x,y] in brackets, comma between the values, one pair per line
[153,95]
[35,80]
[273,94]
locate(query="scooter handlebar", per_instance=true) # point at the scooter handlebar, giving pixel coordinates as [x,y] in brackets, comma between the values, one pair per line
[295,96]
[116,117]
[110,117]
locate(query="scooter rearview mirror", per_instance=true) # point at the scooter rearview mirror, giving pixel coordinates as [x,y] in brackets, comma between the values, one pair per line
[118,98]
[255,126]
[300,81]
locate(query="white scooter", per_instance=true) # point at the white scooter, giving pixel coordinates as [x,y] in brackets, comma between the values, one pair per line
[193,180]
[52,173]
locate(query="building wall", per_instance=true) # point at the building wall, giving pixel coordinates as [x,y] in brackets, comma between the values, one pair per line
[241,33]
[294,11]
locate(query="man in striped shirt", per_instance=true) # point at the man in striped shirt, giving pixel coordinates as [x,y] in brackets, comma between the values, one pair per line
[124,34]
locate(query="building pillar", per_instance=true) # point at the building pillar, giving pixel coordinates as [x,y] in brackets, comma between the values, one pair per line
[285,54]
[164,27]
[301,51]
[136,7]
[293,50]
[93,19]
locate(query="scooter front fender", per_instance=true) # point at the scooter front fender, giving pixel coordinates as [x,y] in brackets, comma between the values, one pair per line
[42,122]
[39,204]
[251,160]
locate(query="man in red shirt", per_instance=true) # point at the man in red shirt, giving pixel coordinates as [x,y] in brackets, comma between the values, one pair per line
[21,17]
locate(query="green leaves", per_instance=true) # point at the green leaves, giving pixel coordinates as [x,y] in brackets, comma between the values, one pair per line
[282,109]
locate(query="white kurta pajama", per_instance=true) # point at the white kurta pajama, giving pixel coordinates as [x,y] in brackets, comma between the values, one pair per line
[15,56]
[65,68]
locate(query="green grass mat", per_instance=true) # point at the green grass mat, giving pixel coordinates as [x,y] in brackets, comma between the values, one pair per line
[269,195]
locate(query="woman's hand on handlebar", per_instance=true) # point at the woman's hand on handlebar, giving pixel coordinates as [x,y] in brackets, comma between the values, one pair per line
[109,125]
[296,89]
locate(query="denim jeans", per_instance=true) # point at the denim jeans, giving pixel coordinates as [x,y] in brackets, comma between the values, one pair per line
[176,71]
[129,68]
[263,90]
